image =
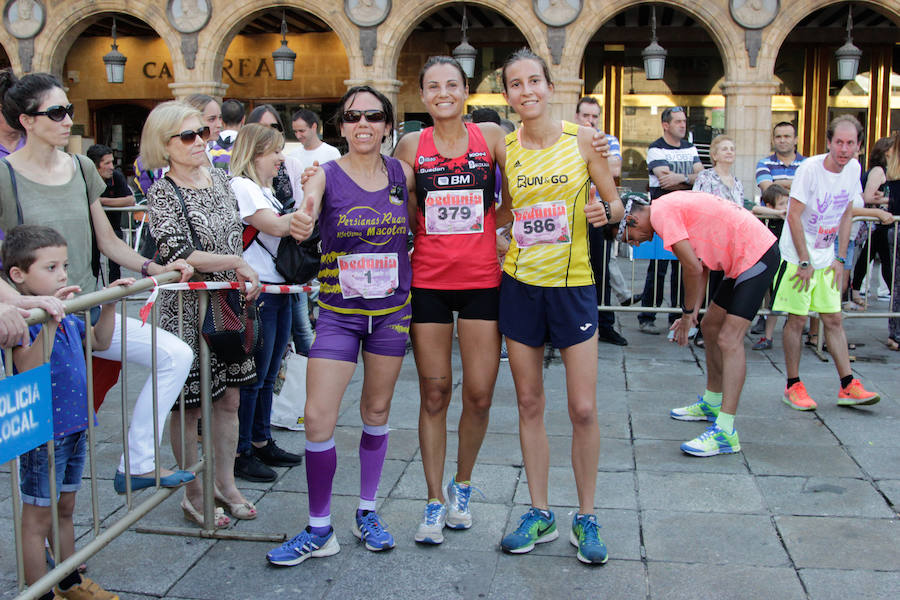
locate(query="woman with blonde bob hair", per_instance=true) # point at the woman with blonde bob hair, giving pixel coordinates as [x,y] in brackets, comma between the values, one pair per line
[194,217]
[255,161]
[720,181]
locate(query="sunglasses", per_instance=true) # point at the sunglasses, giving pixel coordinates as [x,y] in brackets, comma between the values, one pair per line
[55,113]
[189,136]
[277,126]
[372,116]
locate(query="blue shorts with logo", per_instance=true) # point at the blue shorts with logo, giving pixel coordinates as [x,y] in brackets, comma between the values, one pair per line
[70,454]
[534,315]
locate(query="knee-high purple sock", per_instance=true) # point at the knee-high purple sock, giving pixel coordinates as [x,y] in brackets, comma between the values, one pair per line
[321,463]
[372,449]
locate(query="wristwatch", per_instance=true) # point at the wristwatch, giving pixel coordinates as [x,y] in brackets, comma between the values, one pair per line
[804,264]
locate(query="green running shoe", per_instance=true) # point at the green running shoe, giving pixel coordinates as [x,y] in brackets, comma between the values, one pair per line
[713,441]
[585,536]
[698,411]
[534,528]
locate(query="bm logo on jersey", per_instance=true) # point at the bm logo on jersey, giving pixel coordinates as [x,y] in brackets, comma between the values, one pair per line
[454,180]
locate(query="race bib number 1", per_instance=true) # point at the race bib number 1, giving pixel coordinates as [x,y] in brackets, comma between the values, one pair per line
[542,223]
[368,275]
[454,212]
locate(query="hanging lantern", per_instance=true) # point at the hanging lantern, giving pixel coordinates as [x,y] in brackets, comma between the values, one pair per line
[848,55]
[654,55]
[284,57]
[114,61]
[465,53]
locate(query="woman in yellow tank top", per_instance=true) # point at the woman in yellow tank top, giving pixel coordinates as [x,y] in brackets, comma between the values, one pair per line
[547,293]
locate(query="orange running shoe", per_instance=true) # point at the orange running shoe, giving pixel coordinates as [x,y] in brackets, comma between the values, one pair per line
[855,394]
[796,397]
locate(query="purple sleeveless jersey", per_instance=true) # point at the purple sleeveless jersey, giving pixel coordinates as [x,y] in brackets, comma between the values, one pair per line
[365,264]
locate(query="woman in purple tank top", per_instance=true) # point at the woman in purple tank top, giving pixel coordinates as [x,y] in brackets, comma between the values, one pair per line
[361,203]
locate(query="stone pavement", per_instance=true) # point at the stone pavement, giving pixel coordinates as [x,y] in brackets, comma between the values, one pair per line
[807,510]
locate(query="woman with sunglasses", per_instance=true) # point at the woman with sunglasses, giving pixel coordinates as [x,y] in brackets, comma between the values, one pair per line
[46,186]
[548,292]
[255,160]
[455,269]
[288,188]
[194,217]
[361,203]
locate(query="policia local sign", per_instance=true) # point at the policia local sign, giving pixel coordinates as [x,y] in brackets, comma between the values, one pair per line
[26,412]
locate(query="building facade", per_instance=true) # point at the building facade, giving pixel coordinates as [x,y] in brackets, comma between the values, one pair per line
[737,66]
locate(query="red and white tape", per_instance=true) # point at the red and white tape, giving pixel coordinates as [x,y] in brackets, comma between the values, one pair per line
[267,288]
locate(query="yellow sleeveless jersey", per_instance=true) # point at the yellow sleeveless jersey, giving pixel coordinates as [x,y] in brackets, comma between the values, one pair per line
[557,173]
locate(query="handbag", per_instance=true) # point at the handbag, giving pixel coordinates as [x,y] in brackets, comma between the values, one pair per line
[297,262]
[230,325]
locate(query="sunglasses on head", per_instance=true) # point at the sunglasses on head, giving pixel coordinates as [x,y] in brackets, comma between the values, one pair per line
[54,113]
[189,136]
[277,126]
[372,116]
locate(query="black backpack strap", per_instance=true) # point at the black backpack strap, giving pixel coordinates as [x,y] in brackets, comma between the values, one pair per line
[187,218]
[15,190]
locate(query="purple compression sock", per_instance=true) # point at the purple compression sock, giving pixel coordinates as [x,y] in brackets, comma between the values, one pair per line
[321,463]
[372,450]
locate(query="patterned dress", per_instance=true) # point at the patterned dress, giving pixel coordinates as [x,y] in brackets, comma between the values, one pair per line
[214,216]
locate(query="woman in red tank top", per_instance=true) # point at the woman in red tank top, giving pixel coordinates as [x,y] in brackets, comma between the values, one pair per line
[455,269]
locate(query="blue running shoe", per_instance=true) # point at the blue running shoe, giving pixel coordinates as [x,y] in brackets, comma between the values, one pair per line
[302,546]
[458,515]
[368,529]
[698,411]
[534,528]
[585,536]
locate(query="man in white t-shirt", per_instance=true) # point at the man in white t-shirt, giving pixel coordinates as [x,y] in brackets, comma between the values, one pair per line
[306,129]
[820,210]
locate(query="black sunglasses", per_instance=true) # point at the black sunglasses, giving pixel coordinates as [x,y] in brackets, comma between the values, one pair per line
[372,116]
[277,126]
[54,113]
[189,136]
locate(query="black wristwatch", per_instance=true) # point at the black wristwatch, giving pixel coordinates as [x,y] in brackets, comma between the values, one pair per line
[686,311]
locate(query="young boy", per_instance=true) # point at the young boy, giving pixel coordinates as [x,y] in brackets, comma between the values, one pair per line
[773,204]
[35,260]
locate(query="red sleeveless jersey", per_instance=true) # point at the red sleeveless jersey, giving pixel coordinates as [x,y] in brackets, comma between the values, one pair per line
[444,187]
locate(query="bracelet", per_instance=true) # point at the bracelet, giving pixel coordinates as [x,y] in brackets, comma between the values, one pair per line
[686,311]
[841,260]
[144,271]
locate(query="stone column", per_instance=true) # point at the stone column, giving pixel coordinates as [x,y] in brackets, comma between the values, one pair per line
[182,90]
[566,93]
[748,119]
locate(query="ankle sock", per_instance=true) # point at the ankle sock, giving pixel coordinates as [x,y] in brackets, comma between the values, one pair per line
[712,398]
[845,381]
[72,579]
[725,422]
[792,380]
[545,513]
[320,531]
[465,483]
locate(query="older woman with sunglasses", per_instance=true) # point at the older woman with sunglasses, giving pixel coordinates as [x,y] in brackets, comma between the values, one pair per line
[194,217]
[361,201]
[40,184]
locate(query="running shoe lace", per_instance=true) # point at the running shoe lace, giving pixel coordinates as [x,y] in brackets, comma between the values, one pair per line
[297,543]
[709,433]
[591,531]
[432,512]
[527,520]
[463,494]
[371,525]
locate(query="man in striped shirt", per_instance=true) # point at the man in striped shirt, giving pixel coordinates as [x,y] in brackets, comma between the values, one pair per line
[781,166]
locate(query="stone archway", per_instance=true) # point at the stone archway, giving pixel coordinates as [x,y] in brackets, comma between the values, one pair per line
[714,17]
[793,12]
[225,24]
[52,45]
[400,25]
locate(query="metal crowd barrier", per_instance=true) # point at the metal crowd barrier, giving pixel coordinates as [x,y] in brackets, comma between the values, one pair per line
[154,498]
[865,314]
